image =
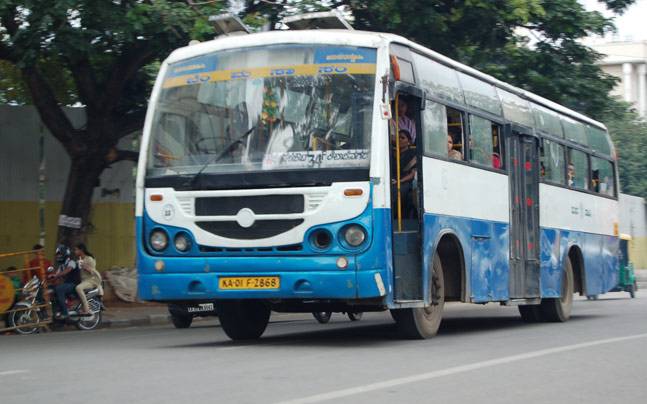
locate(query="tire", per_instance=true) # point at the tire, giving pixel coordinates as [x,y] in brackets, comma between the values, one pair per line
[18,318]
[322,316]
[632,290]
[355,316]
[180,321]
[558,310]
[422,323]
[90,323]
[243,319]
[530,313]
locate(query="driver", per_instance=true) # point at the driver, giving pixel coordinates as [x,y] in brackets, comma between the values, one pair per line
[67,270]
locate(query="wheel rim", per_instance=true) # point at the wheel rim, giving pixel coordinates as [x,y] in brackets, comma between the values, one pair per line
[25,321]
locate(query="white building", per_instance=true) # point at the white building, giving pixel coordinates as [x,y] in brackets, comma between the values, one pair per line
[628,62]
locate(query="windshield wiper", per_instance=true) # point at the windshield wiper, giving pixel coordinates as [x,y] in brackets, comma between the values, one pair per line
[220,155]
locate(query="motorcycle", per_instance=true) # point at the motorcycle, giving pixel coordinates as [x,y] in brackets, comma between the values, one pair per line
[29,314]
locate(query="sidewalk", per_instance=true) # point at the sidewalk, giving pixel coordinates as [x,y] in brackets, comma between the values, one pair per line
[119,314]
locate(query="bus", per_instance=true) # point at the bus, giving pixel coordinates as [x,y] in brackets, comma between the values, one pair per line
[271,179]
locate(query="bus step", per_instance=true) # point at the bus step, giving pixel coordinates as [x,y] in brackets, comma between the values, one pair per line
[403,304]
[519,302]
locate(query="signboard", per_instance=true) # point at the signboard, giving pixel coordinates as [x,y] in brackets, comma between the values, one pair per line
[68,221]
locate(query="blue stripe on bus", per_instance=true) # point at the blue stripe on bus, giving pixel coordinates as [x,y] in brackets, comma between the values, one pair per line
[485,247]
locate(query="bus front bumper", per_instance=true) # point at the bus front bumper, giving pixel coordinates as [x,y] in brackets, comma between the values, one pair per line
[293,285]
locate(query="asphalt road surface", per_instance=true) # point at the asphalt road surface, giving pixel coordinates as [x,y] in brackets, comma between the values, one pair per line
[483,354]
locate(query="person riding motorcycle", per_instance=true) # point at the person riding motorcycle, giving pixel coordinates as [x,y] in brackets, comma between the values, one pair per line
[67,270]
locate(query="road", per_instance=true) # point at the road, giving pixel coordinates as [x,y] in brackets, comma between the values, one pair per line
[483,354]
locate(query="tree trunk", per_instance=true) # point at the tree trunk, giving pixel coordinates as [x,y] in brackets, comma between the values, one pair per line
[75,212]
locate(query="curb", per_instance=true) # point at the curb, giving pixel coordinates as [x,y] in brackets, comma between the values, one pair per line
[151,319]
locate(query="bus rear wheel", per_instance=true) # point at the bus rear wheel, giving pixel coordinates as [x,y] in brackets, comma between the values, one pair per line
[243,319]
[422,323]
[530,313]
[558,310]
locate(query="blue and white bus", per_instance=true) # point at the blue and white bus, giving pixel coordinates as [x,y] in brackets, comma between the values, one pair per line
[268,182]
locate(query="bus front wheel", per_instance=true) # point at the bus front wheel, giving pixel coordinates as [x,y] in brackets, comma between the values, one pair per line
[422,323]
[243,319]
[558,310]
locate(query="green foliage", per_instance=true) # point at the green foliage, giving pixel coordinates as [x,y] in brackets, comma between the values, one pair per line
[66,39]
[629,133]
[533,44]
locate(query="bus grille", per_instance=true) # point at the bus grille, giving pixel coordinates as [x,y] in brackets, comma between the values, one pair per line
[259,204]
[260,229]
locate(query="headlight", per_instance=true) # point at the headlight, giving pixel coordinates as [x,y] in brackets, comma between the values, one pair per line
[159,240]
[354,235]
[182,242]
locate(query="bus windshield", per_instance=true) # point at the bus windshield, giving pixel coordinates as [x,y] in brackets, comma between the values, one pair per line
[266,108]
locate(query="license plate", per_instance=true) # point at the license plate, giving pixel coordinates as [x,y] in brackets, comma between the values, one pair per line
[249,282]
[200,307]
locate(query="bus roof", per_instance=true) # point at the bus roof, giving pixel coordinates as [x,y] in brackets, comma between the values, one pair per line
[364,39]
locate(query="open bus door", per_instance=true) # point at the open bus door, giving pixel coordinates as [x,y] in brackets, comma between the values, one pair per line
[405,205]
[523,155]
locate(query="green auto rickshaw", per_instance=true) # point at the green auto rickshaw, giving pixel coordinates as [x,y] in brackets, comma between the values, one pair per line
[626,276]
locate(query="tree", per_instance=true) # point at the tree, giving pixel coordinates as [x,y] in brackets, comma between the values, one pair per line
[629,133]
[533,44]
[92,52]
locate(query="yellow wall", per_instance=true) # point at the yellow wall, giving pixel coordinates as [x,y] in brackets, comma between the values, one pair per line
[638,252]
[111,239]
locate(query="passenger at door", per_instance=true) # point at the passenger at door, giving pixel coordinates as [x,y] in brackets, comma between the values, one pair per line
[408,172]
[404,122]
[451,152]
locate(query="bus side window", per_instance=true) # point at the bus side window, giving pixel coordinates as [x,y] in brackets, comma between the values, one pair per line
[552,164]
[602,178]
[485,148]
[456,130]
[578,169]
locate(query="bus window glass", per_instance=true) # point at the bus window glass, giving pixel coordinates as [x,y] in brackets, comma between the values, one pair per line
[480,94]
[516,108]
[455,134]
[273,108]
[435,130]
[577,173]
[574,130]
[599,140]
[551,165]
[440,80]
[406,71]
[547,120]
[484,142]
[602,178]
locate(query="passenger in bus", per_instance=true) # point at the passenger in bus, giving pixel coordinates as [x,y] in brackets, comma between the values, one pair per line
[595,180]
[408,171]
[451,152]
[496,160]
[570,175]
[404,122]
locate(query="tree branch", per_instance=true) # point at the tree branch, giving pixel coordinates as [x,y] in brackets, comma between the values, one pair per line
[85,81]
[49,109]
[125,68]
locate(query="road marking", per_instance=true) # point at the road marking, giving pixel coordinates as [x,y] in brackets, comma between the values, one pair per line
[13,372]
[452,371]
